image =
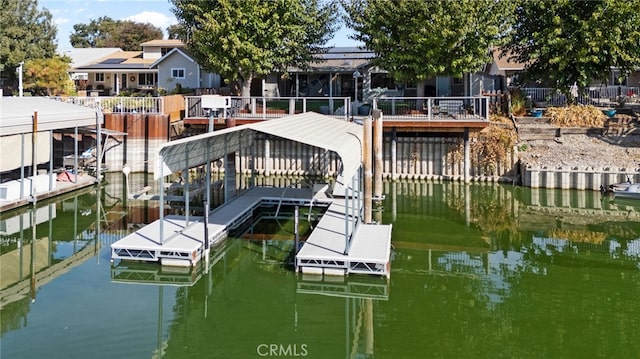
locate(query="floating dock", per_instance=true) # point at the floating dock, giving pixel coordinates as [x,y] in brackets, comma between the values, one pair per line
[323,253]
[333,248]
[182,239]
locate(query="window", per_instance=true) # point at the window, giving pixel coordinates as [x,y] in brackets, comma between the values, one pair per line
[382,80]
[99,77]
[177,73]
[457,80]
[145,79]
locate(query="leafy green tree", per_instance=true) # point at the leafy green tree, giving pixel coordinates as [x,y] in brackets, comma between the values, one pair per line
[417,40]
[106,32]
[576,41]
[48,76]
[243,40]
[176,32]
[26,32]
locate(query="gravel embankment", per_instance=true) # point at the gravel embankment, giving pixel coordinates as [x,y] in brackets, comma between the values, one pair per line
[583,151]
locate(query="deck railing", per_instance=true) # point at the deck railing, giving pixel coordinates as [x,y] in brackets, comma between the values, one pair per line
[604,96]
[434,108]
[273,107]
[118,104]
[409,108]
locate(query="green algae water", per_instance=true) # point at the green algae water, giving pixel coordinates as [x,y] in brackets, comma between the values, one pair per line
[480,271]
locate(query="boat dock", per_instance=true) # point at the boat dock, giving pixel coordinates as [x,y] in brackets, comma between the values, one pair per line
[342,243]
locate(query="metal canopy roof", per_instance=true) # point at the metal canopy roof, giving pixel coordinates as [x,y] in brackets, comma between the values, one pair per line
[16,115]
[343,138]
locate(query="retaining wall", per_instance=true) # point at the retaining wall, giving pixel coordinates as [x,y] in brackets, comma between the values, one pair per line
[584,178]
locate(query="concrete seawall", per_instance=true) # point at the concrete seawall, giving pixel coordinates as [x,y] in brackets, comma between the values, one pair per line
[583,178]
[404,158]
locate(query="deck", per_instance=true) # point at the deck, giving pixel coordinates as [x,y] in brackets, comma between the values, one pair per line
[409,114]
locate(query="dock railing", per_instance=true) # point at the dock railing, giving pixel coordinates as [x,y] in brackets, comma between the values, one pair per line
[274,107]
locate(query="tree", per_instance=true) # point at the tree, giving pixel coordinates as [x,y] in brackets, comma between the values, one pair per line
[49,76]
[26,32]
[418,40]
[242,40]
[106,32]
[176,32]
[576,42]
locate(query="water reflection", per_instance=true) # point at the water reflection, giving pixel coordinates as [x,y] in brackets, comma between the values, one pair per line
[478,270]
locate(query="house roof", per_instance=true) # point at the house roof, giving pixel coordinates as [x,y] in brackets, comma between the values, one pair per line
[340,59]
[121,60]
[342,137]
[82,56]
[170,53]
[506,62]
[165,42]
[16,115]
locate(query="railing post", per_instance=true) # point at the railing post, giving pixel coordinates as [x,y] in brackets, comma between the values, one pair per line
[486,109]
[346,106]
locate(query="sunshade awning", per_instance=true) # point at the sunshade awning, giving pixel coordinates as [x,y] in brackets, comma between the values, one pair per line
[343,138]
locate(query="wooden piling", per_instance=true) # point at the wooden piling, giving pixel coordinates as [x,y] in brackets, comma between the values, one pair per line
[368,175]
[377,152]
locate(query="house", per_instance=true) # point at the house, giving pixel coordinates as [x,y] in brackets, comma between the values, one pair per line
[343,71]
[506,71]
[161,64]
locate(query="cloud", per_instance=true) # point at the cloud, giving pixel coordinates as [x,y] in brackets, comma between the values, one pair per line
[59,21]
[154,18]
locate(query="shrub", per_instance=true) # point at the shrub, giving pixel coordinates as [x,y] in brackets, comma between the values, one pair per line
[576,116]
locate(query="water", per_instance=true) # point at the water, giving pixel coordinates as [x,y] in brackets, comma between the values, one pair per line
[478,271]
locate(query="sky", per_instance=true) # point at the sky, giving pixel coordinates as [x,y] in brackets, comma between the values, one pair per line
[67,13]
